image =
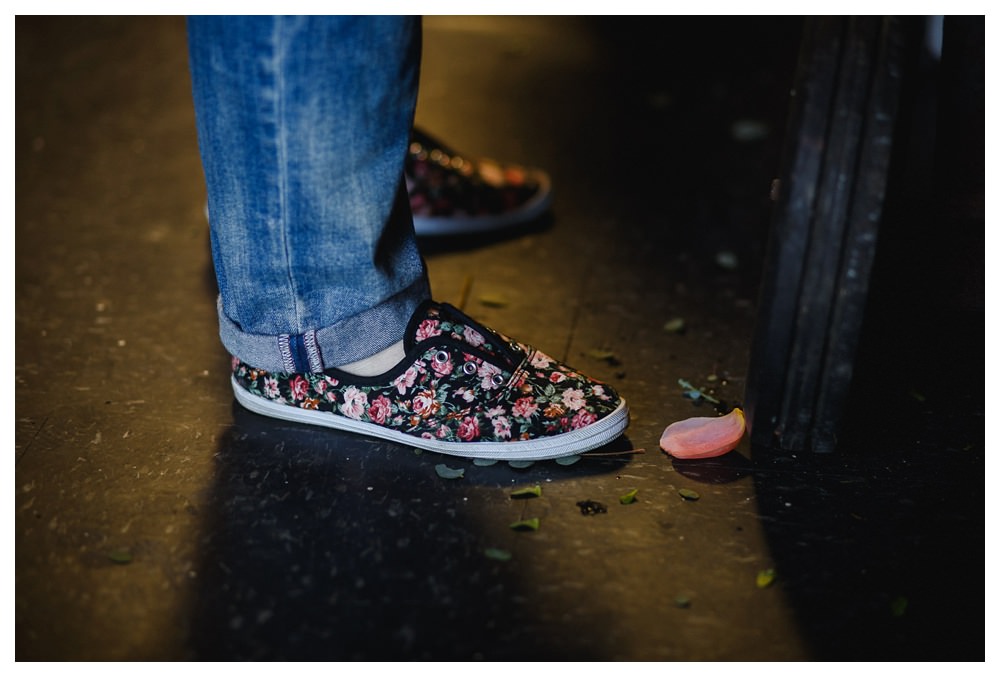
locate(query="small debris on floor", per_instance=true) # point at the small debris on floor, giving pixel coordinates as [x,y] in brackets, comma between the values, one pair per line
[527,492]
[689,494]
[589,507]
[602,355]
[120,556]
[727,260]
[628,498]
[695,394]
[531,524]
[447,473]
[675,326]
[493,301]
[499,554]
[765,578]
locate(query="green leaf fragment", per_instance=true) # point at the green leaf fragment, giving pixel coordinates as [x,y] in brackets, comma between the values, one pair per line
[120,556]
[527,492]
[484,462]
[498,554]
[693,393]
[602,355]
[682,601]
[520,464]
[899,606]
[689,494]
[568,460]
[526,525]
[449,473]
[765,578]
[491,301]
[674,326]
[629,497]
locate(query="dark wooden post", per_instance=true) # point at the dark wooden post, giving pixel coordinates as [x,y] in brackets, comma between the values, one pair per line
[824,231]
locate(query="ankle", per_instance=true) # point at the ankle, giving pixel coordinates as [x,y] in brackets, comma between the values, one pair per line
[379,363]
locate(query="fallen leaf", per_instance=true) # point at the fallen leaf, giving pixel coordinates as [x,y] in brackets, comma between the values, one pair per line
[520,464]
[527,492]
[629,497]
[602,355]
[674,326]
[765,578]
[498,554]
[682,601]
[526,525]
[689,494]
[449,473]
[491,301]
[568,460]
[484,462]
[695,394]
[704,436]
[121,556]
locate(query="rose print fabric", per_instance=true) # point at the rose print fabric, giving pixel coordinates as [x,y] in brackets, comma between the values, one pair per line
[461,382]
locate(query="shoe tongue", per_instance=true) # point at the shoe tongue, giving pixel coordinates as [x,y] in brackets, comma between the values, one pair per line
[433,320]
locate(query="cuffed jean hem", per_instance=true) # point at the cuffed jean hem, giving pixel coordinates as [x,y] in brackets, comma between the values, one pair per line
[350,340]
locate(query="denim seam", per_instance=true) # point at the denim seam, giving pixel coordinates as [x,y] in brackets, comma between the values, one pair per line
[281,150]
[285,348]
[312,351]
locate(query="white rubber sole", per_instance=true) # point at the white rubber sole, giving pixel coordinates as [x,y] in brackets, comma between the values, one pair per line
[567,444]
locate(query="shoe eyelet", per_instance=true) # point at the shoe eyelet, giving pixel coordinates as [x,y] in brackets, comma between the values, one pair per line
[469,368]
[497,380]
[441,356]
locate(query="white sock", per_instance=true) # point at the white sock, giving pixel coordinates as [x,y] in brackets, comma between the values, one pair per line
[379,363]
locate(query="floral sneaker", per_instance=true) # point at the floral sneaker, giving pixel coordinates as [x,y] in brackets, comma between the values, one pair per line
[463,389]
[455,195]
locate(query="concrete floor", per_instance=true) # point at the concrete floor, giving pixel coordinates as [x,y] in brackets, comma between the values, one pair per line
[156,520]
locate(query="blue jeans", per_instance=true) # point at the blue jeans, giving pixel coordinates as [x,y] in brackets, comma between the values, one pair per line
[303,124]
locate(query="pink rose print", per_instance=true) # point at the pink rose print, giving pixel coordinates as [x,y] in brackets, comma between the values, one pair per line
[424,404]
[557,377]
[486,372]
[573,398]
[354,404]
[468,429]
[380,409]
[525,407]
[473,337]
[583,418]
[271,387]
[320,386]
[442,368]
[427,329]
[501,426]
[540,360]
[405,380]
[298,387]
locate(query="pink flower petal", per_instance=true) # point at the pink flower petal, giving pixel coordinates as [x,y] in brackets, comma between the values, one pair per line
[703,436]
